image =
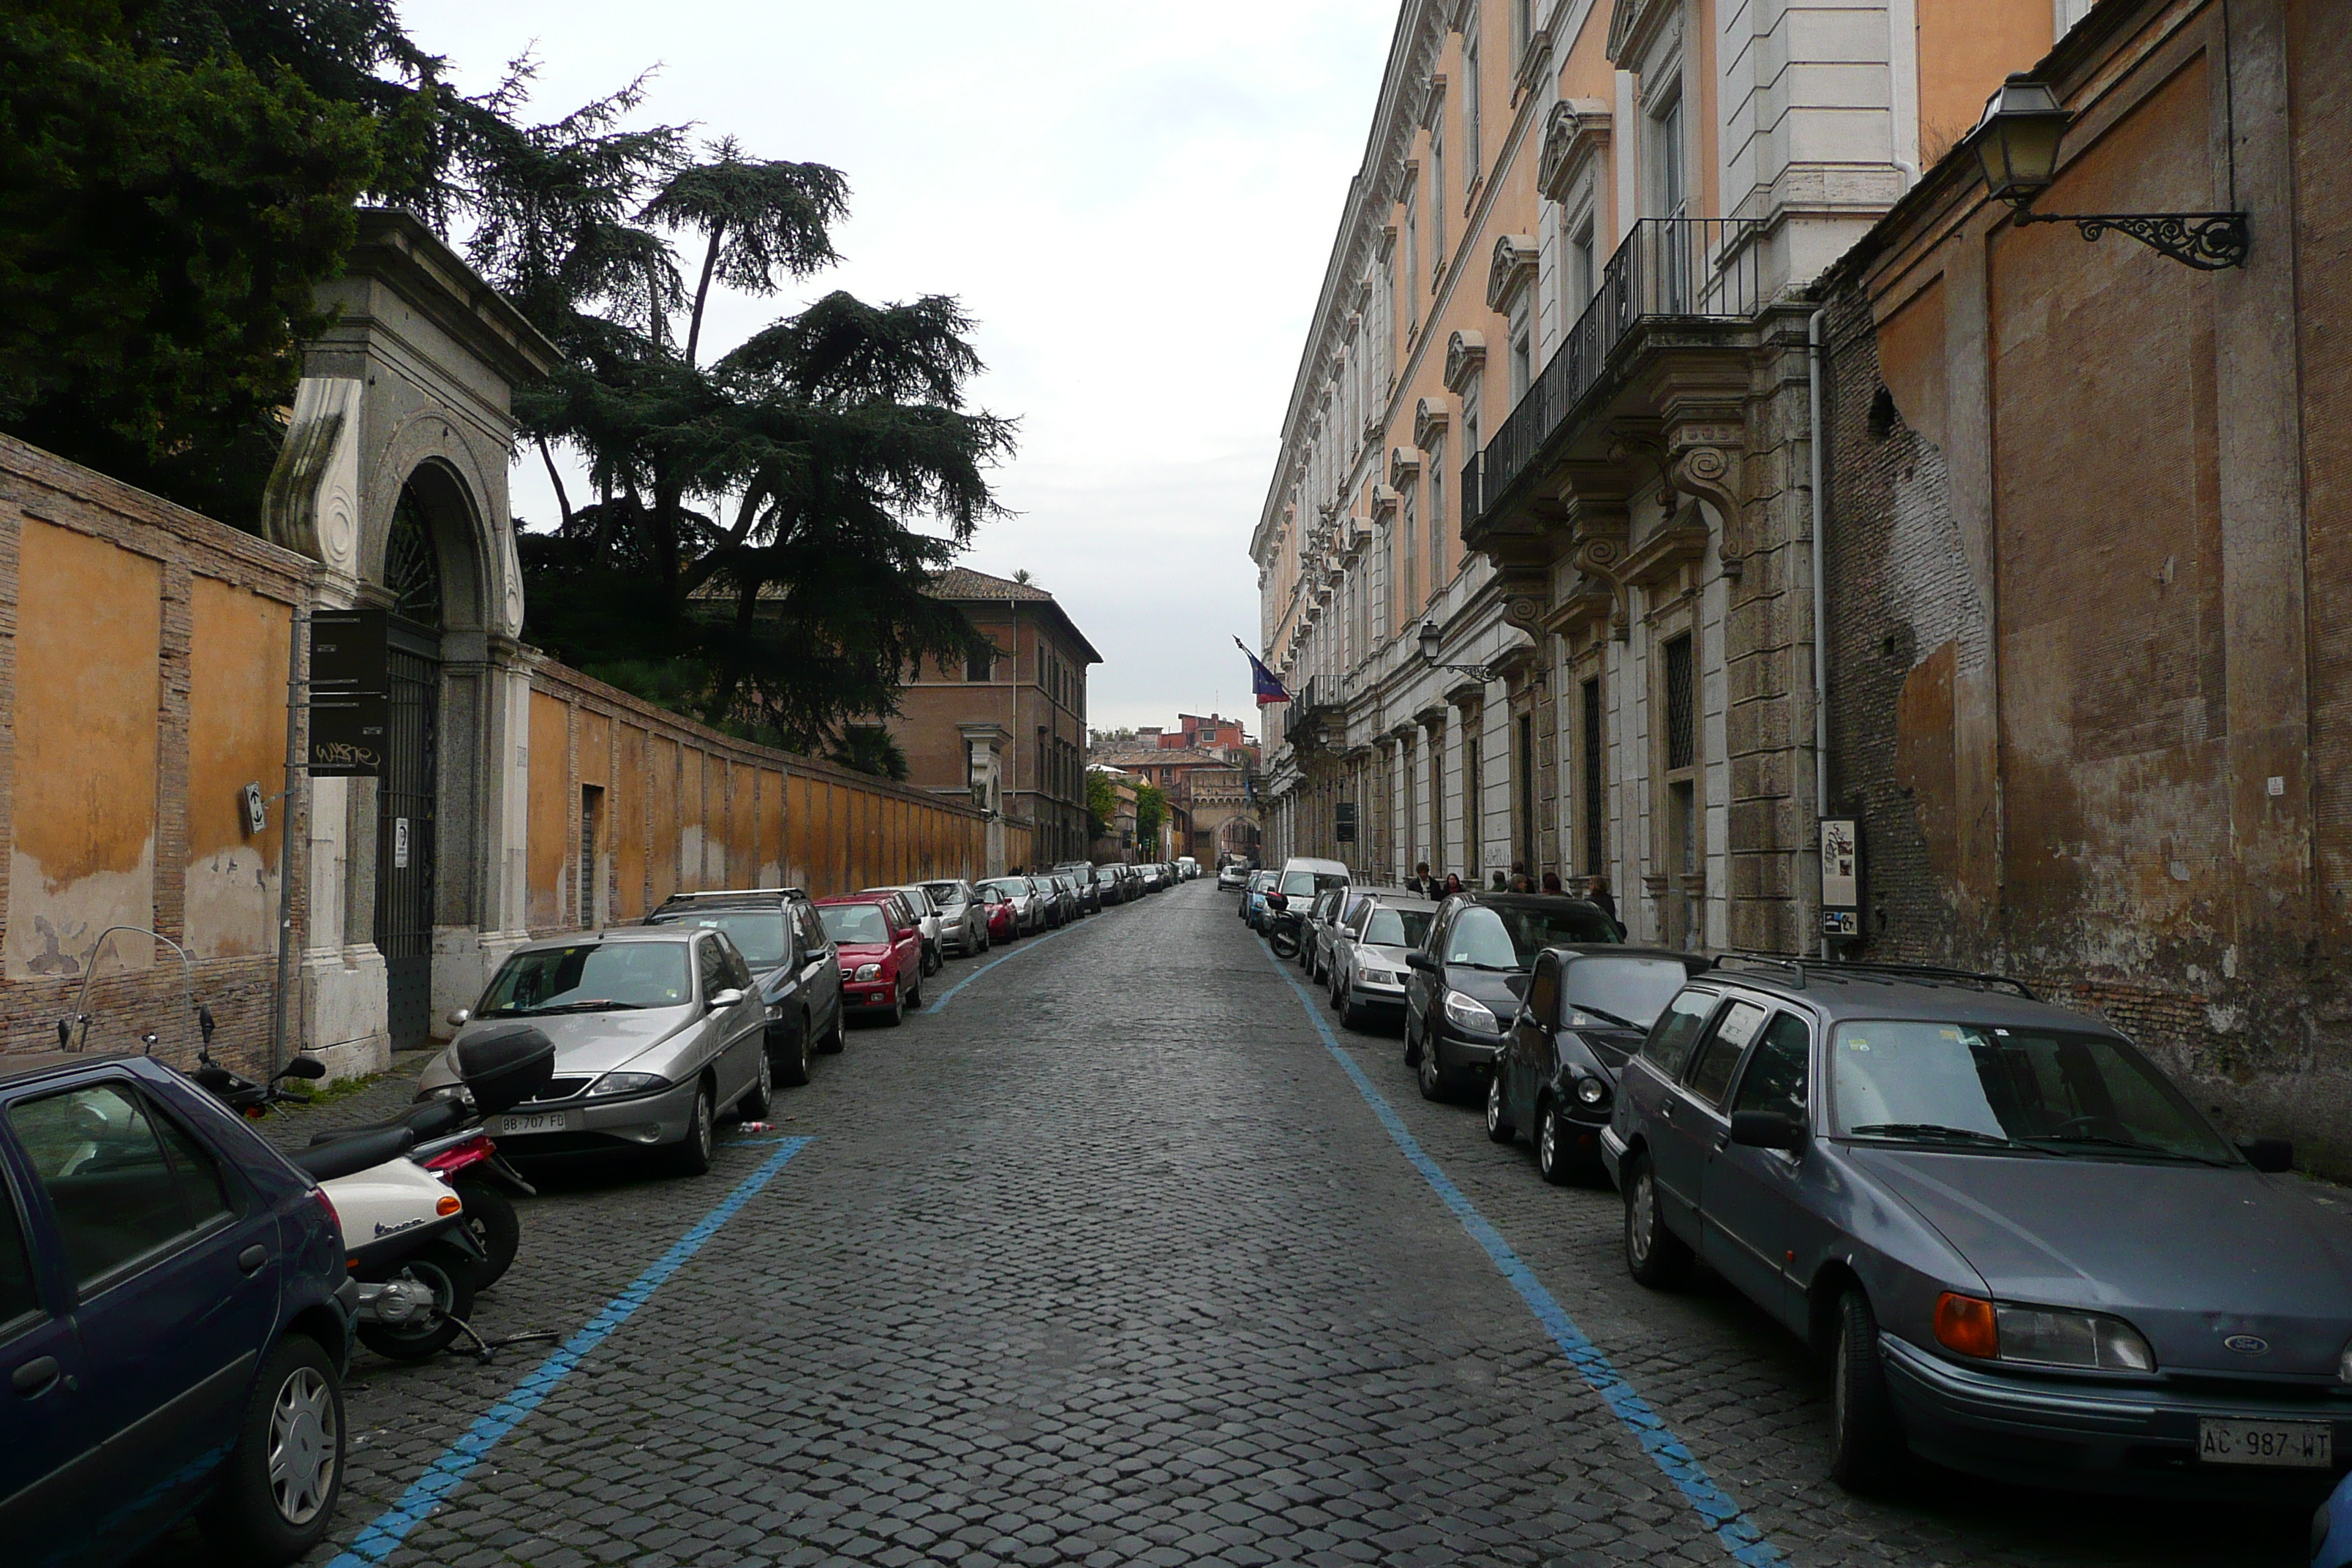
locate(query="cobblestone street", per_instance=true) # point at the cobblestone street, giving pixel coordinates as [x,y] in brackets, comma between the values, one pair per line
[1105,1259]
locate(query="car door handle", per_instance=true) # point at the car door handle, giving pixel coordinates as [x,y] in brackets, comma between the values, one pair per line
[253,1258]
[35,1377]
[1666,1111]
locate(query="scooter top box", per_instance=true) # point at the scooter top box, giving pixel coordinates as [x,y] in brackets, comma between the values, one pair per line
[504,1065]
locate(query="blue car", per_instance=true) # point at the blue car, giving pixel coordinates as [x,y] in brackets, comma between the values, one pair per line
[174,1321]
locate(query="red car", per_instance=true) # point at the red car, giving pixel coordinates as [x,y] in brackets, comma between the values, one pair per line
[880,947]
[1004,915]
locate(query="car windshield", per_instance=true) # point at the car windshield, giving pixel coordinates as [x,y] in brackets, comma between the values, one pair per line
[759,934]
[1509,937]
[1625,991]
[947,894]
[1306,884]
[1398,928]
[1011,887]
[855,923]
[1977,1085]
[589,977]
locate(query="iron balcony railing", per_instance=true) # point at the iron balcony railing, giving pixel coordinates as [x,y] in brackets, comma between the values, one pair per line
[1702,268]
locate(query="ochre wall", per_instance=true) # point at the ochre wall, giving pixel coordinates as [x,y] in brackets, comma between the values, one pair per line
[1966,48]
[237,735]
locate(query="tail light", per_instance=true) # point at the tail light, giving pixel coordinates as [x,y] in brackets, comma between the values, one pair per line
[334,1221]
[457,1156]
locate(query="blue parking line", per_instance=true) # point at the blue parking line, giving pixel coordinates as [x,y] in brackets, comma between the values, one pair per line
[1035,942]
[1731,1524]
[445,1474]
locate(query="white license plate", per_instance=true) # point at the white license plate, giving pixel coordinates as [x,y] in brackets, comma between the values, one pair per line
[2295,1444]
[553,1121]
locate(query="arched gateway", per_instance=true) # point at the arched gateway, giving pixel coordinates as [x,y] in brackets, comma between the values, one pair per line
[394,480]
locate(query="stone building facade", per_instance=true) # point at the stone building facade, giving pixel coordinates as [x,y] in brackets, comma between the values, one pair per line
[1533,562]
[2086,522]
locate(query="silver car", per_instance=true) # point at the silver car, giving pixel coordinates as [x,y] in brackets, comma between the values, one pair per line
[659,1032]
[1029,902]
[926,918]
[963,919]
[1368,955]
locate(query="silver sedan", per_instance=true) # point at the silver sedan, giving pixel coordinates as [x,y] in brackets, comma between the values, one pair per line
[963,919]
[1368,952]
[657,1033]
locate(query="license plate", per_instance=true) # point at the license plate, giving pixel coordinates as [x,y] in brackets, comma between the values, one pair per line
[553,1121]
[2294,1445]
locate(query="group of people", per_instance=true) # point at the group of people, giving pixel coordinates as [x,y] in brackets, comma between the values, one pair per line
[1594,888]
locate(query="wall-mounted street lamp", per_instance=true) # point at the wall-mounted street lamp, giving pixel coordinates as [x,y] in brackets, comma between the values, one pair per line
[1431,638]
[2017,141]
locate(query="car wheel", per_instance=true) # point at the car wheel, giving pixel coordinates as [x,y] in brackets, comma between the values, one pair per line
[932,962]
[450,1275]
[1655,1256]
[756,1100]
[691,1155]
[1551,1143]
[1431,1075]
[1865,1438]
[838,1036]
[276,1496]
[1350,1016]
[792,1062]
[490,1216]
[915,995]
[1499,1125]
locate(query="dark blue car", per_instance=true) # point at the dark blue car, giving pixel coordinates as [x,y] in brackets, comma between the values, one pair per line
[174,1321]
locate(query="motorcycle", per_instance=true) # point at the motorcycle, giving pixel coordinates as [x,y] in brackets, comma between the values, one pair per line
[1284,931]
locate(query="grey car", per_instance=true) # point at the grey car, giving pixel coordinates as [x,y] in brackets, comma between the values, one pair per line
[1368,955]
[657,1033]
[926,920]
[2025,1251]
[963,919]
[1029,902]
[779,935]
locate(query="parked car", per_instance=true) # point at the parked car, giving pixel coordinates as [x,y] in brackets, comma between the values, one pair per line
[880,951]
[1465,981]
[1330,907]
[1232,875]
[1368,955]
[1081,877]
[1004,917]
[1113,885]
[928,920]
[2331,1529]
[1030,905]
[1253,910]
[1187,867]
[963,919]
[175,1321]
[2027,1253]
[659,1032]
[1585,1012]
[1301,881]
[794,969]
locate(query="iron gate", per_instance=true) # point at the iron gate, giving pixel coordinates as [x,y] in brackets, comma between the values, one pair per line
[404,854]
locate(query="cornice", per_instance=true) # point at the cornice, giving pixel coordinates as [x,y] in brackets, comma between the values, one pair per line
[1575,131]
[1511,266]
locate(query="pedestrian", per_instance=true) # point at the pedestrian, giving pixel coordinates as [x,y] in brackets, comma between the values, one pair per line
[1596,889]
[1421,883]
[1551,883]
[1498,881]
[1453,884]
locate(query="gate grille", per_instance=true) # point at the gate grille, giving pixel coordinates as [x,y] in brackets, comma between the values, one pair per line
[403,859]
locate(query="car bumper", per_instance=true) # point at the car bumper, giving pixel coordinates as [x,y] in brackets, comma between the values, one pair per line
[1376,998]
[2098,1437]
[595,1126]
[868,995]
[1466,1054]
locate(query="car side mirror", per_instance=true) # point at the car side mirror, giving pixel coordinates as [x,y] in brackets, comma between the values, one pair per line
[1420,961]
[2275,1155]
[461,1017]
[1767,1130]
[303,1066]
[727,998]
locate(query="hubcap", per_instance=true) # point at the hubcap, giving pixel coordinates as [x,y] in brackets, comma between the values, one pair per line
[1638,1216]
[301,1446]
[1548,1132]
[1494,1105]
[702,1123]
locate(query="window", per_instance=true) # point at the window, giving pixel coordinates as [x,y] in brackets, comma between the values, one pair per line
[1682,825]
[1711,1074]
[1526,769]
[1439,522]
[1775,1079]
[18,1298]
[125,1186]
[1412,261]
[1473,803]
[1596,790]
[811,931]
[587,976]
[1411,606]
[759,935]
[738,973]
[1579,274]
[592,808]
[1543,990]
[1523,27]
[1522,356]
[1671,1037]
[1470,96]
[1669,181]
[979,664]
[1437,190]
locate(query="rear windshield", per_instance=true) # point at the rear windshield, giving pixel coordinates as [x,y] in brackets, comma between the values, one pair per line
[1304,884]
[589,977]
[758,934]
[1504,937]
[1398,928]
[1014,887]
[1625,991]
[855,923]
[948,893]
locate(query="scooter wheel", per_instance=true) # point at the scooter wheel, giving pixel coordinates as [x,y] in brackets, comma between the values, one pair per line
[450,1275]
[490,1216]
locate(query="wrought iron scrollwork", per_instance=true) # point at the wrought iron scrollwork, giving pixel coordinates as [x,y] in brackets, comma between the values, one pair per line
[2210,242]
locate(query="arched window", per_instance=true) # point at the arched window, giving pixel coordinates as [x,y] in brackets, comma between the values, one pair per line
[412,569]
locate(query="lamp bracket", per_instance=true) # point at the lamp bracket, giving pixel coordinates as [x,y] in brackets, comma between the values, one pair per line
[2210,242]
[1484,674]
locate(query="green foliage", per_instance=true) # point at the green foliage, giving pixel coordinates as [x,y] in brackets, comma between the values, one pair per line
[166,211]
[1102,803]
[1150,811]
[871,749]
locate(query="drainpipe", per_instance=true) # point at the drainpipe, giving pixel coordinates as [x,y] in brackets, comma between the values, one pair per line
[297,768]
[1821,667]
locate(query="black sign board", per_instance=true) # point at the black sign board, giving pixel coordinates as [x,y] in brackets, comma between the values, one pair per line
[347,651]
[1343,821]
[348,679]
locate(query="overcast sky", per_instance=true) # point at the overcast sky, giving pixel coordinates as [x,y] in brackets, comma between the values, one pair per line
[1136,201]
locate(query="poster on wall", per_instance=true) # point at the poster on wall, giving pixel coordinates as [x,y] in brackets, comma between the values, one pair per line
[1840,877]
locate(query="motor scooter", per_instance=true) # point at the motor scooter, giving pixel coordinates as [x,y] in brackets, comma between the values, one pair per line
[1284,930]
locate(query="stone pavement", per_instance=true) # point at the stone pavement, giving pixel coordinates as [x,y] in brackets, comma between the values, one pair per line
[1106,1261]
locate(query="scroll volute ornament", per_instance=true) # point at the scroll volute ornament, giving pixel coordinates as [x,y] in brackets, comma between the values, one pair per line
[1707,466]
[1465,356]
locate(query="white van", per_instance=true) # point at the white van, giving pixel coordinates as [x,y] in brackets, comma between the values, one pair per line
[1303,876]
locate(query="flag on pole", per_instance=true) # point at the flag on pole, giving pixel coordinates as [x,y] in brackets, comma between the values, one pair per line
[1264,682]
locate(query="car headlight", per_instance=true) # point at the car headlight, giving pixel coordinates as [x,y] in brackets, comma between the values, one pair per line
[1371,977]
[2038,1336]
[866,972]
[1471,1013]
[626,1083]
[1591,1090]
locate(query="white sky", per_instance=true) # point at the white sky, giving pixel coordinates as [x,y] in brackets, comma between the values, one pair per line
[1136,201]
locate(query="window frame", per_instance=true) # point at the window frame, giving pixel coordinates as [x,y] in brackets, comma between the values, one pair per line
[1747,1068]
[1688,1081]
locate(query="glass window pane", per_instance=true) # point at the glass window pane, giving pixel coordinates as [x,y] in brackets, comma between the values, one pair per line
[18,1296]
[1712,1074]
[197,1172]
[1670,1041]
[1775,1079]
[97,1159]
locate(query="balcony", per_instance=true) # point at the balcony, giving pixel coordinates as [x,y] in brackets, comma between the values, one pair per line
[1670,273]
